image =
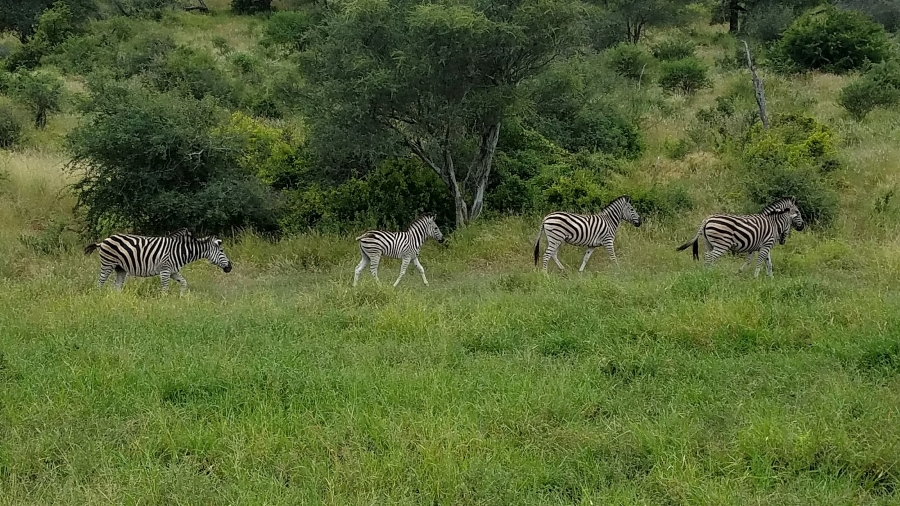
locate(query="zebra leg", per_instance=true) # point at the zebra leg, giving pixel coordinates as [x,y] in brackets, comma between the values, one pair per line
[120,278]
[553,245]
[359,268]
[164,279]
[760,257]
[373,266]
[747,262]
[105,271]
[421,270]
[587,256]
[183,282]
[712,255]
[612,253]
[403,267]
[769,263]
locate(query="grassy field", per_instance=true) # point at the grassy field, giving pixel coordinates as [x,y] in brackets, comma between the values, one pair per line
[655,382]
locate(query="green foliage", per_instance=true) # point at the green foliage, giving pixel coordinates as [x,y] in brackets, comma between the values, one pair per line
[767,22]
[793,158]
[886,12]
[153,162]
[250,6]
[41,91]
[878,87]
[629,60]
[634,16]
[271,154]
[190,71]
[687,76]
[668,201]
[675,48]
[11,125]
[22,17]
[287,29]
[391,196]
[54,26]
[833,40]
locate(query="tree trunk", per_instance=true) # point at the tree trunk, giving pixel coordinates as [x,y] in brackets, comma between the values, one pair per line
[482,167]
[734,8]
[758,87]
[458,198]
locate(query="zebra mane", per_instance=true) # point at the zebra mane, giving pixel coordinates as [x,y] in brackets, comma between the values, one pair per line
[779,206]
[626,198]
[421,218]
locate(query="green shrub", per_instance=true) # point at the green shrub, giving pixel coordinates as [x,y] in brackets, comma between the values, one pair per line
[54,26]
[833,40]
[190,71]
[673,49]
[250,6]
[11,125]
[661,201]
[629,60]
[766,23]
[391,196]
[793,157]
[886,12]
[41,91]
[878,87]
[153,162]
[600,128]
[287,29]
[686,76]
[580,191]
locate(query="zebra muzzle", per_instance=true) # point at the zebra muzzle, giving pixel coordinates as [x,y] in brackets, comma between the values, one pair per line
[227,268]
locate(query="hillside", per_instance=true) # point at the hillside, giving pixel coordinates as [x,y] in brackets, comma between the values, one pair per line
[653,382]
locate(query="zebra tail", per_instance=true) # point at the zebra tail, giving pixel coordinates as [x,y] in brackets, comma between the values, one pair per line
[90,248]
[695,242]
[696,249]
[537,244]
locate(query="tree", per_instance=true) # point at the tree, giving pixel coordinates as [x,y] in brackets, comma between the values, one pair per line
[433,79]
[154,162]
[633,16]
[735,10]
[20,16]
[41,91]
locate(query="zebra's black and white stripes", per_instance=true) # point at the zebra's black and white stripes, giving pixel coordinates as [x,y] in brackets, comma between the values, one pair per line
[145,256]
[753,233]
[375,244]
[589,230]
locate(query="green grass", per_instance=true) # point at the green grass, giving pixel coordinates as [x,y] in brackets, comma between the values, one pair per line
[657,382]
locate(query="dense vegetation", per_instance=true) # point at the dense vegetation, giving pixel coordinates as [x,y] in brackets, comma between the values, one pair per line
[290,127]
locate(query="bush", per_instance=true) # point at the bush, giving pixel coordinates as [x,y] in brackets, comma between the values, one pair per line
[886,12]
[686,76]
[271,154]
[629,60]
[287,29]
[54,26]
[152,162]
[41,91]
[250,6]
[580,191]
[878,87]
[11,126]
[661,201]
[192,72]
[391,197]
[673,49]
[833,40]
[600,128]
[766,23]
[793,157]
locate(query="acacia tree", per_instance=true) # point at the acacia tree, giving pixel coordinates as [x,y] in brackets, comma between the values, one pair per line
[633,16]
[434,79]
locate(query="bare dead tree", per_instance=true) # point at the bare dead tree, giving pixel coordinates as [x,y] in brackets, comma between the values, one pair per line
[758,87]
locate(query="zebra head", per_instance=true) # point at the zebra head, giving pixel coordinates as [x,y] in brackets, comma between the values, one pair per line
[432,230]
[625,210]
[212,251]
[786,204]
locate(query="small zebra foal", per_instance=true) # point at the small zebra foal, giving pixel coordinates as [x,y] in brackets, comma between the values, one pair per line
[590,230]
[752,233]
[145,256]
[375,244]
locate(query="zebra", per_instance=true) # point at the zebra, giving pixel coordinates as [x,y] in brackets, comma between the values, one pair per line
[590,230]
[146,256]
[375,244]
[753,233]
